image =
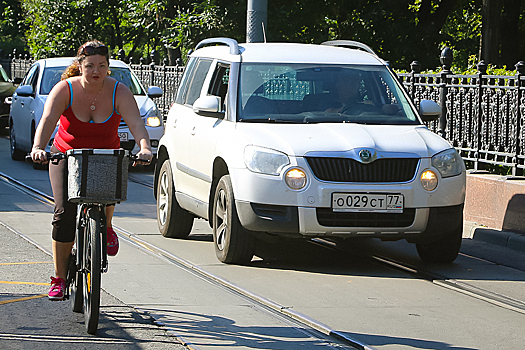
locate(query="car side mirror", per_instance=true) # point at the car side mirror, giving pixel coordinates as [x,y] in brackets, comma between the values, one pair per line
[429,110]
[25,90]
[155,91]
[208,106]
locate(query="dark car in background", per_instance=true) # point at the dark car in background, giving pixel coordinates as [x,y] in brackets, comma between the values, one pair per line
[7,87]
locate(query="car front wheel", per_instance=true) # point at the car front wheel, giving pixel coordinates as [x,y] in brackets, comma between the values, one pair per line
[444,250]
[172,220]
[233,244]
[16,153]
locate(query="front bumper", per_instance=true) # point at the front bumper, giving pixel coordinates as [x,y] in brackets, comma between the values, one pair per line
[154,133]
[414,224]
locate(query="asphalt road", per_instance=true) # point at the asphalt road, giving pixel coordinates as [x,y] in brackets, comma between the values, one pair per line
[375,304]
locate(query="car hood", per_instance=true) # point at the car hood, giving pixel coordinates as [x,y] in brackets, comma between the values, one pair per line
[144,103]
[7,89]
[302,139]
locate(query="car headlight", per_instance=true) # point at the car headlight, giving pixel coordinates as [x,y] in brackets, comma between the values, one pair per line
[448,163]
[152,118]
[265,160]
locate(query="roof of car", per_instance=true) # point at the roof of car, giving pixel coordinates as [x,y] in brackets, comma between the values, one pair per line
[66,61]
[290,53]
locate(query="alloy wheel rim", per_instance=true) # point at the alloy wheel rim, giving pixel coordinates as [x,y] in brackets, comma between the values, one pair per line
[163,198]
[222,218]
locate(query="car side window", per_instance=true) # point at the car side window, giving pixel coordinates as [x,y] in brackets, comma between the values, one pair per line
[30,78]
[188,74]
[195,85]
[219,83]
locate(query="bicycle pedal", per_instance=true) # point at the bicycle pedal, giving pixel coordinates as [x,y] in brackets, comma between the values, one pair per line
[64,298]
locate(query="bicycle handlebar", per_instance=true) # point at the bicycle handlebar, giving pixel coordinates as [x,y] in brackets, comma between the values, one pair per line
[56,156]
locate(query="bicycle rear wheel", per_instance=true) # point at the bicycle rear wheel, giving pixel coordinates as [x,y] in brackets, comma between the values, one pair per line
[92,265]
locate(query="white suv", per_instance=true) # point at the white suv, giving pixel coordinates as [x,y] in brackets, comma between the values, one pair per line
[266,139]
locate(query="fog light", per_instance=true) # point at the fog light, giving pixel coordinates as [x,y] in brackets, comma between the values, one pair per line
[154,143]
[429,180]
[295,178]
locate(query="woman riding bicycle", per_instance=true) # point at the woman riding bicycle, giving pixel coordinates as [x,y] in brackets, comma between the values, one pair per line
[89,105]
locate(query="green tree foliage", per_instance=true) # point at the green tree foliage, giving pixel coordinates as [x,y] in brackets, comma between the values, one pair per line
[398,30]
[12,27]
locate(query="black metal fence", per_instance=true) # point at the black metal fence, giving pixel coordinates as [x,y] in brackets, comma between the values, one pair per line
[482,115]
[163,76]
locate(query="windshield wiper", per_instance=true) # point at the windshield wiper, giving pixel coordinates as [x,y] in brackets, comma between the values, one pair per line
[268,120]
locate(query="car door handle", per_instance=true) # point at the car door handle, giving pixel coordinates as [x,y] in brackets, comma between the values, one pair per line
[193,130]
[174,124]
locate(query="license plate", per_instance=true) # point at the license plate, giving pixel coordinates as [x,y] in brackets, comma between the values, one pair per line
[123,136]
[356,202]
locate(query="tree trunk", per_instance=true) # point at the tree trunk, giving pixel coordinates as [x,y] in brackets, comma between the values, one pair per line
[490,45]
[510,46]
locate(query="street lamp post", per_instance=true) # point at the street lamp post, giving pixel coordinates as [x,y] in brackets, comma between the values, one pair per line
[256,21]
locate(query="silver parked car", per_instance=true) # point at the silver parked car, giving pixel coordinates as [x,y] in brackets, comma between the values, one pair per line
[29,98]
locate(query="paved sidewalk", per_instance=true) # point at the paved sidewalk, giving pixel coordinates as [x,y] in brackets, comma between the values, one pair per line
[28,320]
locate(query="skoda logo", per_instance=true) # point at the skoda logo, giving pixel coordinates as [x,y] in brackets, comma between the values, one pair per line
[365,155]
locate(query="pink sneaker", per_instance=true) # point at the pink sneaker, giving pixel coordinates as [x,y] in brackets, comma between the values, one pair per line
[58,287]
[112,242]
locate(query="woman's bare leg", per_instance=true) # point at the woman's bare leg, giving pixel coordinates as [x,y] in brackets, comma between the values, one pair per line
[61,252]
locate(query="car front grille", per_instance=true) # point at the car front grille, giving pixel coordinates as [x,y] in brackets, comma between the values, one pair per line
[329,218]
[350,170]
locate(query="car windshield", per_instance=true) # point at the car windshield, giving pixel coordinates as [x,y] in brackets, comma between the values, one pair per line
[3,75]
[124,75]
[313,93]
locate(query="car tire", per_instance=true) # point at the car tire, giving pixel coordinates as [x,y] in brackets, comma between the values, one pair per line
[16,153]
[445,250]
[233,244]
[172,220]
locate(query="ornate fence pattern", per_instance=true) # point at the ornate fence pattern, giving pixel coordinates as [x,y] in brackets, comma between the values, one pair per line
[482,115]
[163,76]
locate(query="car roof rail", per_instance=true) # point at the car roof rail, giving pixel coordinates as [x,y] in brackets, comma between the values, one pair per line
[350,43]
[232,43]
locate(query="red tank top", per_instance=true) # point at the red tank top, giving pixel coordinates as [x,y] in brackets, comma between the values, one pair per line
[74,133]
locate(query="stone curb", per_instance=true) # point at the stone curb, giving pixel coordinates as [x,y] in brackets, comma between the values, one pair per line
[511,240]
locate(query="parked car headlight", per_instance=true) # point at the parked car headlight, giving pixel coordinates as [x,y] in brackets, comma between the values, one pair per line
[448,163]
[152,118]
[265,160]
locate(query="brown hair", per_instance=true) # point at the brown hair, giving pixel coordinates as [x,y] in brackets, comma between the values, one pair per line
[73,69]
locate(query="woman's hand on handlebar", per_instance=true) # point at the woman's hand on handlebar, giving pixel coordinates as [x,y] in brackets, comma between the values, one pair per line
[143,157]
[39,156]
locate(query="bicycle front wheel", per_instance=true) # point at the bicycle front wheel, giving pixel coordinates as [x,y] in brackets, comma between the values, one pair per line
[92,265]
[74,280]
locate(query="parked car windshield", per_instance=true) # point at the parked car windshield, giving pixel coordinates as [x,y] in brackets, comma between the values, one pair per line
[52,76]
[308,93]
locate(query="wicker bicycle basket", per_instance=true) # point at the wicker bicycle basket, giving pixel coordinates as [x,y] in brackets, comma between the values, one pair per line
[97,175]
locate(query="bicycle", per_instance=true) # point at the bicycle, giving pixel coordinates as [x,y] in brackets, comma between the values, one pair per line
[88,259]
